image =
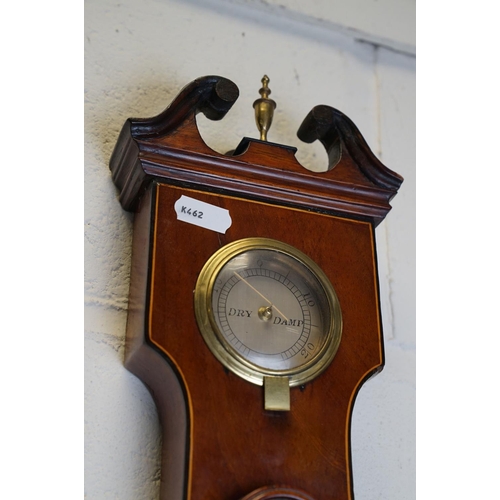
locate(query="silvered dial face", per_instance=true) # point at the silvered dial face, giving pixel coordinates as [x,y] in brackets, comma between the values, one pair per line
[271,309]
[266,309]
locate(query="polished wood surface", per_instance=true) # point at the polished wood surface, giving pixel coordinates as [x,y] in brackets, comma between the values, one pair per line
[169,148]
[218,441]
[158,372]
[235,445]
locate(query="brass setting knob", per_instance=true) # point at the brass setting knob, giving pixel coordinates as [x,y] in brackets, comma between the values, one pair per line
[265,313]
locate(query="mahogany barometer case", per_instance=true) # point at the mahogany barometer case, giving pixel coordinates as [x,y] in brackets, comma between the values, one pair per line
[254,310]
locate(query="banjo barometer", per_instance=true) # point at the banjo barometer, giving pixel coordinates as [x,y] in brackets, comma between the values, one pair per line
[254,310]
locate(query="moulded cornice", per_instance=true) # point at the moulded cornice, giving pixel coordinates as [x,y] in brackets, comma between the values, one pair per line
[168,148]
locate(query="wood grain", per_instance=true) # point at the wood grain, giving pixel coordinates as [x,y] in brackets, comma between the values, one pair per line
[169,148]
[218,441]
[235,445]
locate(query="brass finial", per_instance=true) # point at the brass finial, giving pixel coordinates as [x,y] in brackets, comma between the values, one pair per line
[264,109]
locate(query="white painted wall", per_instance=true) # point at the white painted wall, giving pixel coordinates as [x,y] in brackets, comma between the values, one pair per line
[138,55]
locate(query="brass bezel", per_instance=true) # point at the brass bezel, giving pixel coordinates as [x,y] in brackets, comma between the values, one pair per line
[225,353]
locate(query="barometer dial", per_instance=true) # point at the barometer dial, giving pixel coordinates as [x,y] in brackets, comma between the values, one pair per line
[266,309]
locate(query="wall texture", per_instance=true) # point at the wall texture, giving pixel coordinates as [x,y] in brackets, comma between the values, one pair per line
[138,55]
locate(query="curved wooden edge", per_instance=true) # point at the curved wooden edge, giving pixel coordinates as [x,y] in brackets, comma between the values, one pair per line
[160,377]
[336,131]
[153,367]
[170,149]
[211,95]
[277,493]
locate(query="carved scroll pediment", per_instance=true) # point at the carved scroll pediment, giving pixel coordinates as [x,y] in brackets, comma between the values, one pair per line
[170,149]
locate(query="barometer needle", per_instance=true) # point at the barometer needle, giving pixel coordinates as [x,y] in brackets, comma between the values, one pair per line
[256,291]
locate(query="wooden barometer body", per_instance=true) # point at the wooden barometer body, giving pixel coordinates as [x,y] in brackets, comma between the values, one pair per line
[199,305]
